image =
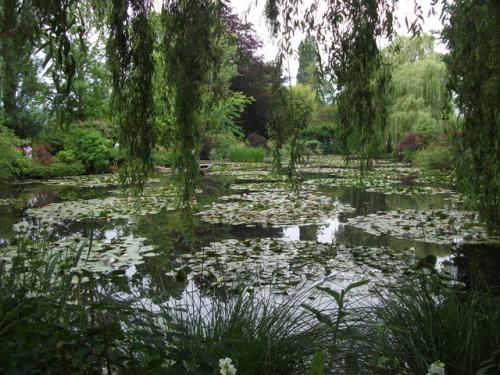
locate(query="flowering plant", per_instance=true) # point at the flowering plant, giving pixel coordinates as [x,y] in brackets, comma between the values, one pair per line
[436,368]
[227,367]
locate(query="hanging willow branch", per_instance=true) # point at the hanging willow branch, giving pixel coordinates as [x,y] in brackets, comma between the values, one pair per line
[191,30]
[472,36]
[348,32]
[130,55]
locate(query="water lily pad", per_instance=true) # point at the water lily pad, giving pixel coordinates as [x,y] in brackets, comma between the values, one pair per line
[282,264]
[273,208]
[122,206]
[435,226]
[104,256]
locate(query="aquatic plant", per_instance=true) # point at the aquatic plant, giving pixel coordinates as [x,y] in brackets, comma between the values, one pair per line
[421,323]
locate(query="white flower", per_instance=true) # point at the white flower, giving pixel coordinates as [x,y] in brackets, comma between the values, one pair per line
[437,368]
[226,367]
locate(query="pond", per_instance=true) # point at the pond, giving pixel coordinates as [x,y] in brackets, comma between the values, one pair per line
[249,231]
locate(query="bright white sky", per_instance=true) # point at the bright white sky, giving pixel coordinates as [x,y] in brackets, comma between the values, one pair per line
[252,11]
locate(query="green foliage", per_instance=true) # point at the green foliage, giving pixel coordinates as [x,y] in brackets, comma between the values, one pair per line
[325,133]
[260,335]
[191,59]
[474,75]
[245,154]
[434,157]
[419,99]
[130,54]
[65,322]
[313,146]
[337,324]
[56,169]
[11,161]
[423,325]
[162,157]
[219,145]
[291,113]
[91,148]
[66,156]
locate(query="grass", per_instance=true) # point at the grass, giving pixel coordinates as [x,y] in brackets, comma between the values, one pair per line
[245,154]
[262,335]
[422,325]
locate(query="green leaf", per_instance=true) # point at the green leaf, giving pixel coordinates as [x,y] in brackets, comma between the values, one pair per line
[322,318]
[356,284]
[331,292]
[317,364]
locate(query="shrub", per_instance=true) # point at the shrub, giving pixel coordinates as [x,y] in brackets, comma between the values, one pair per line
[56,169]
[12,162]
[53,137]
[41,154]
[434,158]
[407,147]
[314,146]
[324,133]
[256,140]
[246,154]
[66,156]
[216,146]
[92,149]
[423,325]
[162,157]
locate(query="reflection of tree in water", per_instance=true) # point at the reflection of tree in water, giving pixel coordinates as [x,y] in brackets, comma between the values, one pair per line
[355,236]
[478,266]
[364,202]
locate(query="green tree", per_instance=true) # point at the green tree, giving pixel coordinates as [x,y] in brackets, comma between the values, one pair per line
[291,113]
[472,36]
[419,97]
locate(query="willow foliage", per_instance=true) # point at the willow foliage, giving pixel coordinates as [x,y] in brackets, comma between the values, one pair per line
[191,31]
[130,54]
[472,34]
[348,31]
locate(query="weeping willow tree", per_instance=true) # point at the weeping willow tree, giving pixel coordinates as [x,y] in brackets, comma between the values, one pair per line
[130,55]
[348,32]
[191,31]
[28,27]
[419,97]
[472,34]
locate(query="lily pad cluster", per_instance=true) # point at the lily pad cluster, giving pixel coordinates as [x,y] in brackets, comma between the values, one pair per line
[434,226]
[152,201]
[277,208]
[103,256]
[283,264]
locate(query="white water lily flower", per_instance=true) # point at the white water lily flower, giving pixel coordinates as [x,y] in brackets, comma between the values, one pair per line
[436,368]
[226,367]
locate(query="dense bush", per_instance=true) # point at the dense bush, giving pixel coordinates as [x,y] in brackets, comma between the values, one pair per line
[256,140]
[218,145]
[66,156]
[324,133]
[56,169]
[53,137]
[407,146]
[246,154]
[162,157]
[41,154]
[12,161]
[92,149]
[434,158]
[314,146]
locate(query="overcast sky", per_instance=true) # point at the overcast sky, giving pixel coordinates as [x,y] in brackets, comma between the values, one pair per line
[252,11]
